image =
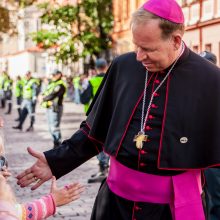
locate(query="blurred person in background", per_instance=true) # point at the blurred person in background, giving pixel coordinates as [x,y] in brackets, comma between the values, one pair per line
[93,84]
[76,84]
[52,99]
[70,88]
[212,175]
[19,95]
[8,88]
[3,76]
[30,92]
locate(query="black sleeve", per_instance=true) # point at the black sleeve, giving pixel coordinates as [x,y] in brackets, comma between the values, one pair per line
[86,95]
[58,91]
[72,152]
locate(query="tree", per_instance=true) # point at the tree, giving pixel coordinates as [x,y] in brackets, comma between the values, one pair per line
[6,14]
[5,24]
[81,30]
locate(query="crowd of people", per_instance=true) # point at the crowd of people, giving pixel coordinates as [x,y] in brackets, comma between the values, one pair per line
[48,93]
[152,120]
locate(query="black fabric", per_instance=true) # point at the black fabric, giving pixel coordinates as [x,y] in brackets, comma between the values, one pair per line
[193,86]
[104,75]
[212,193]
[192,110]
[109,206]
[8,94]
[86,95]
[128,154]
[24,113]
[71,153]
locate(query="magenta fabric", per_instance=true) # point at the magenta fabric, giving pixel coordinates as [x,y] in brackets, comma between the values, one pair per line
[166,9]
[182,192]
[135,186]
[187,196]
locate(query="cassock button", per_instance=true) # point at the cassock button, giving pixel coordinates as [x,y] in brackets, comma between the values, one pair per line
[183,140]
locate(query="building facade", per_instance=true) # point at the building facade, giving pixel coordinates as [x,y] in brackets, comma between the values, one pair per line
[202,20]
[19,53]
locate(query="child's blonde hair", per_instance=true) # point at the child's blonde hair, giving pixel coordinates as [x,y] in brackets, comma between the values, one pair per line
[2,149]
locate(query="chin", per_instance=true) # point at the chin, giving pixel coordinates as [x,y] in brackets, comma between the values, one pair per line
[152,69]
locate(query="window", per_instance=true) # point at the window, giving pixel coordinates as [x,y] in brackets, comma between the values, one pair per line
[207,10]
[208,47]
[125,9]
[218,7]
[195,48]
[184,2]
[117,8]
[194,12]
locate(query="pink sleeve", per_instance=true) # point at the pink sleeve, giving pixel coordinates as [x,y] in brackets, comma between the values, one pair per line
[7,211]
[40,208]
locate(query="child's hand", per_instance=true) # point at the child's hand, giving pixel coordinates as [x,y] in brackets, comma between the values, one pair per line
[1,122]
[6,193]
[4,172]
[66,194]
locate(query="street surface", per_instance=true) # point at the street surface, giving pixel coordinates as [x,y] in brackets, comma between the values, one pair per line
[16,143]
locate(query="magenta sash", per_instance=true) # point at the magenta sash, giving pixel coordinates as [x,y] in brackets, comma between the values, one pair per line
[182,192]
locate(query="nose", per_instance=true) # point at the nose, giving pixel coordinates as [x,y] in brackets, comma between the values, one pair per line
[141,55]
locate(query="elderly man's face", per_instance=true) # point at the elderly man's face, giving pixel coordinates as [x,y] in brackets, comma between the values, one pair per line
[155,53]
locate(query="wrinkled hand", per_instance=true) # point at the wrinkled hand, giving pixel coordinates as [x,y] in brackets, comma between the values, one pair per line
[38,173]
[66,194]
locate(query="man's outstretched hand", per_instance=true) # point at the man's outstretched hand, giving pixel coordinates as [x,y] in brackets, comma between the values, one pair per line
[38,173]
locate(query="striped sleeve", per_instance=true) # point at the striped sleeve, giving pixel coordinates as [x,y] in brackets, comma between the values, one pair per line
[39,209]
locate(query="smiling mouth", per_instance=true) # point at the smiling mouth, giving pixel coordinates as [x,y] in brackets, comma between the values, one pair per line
[147,64]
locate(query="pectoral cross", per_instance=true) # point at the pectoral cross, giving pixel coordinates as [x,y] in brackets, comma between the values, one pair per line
[139,139]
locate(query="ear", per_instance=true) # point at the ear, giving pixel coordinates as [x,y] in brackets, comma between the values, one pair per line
[176,40]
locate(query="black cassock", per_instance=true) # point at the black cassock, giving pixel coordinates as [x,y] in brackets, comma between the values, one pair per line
[183,128]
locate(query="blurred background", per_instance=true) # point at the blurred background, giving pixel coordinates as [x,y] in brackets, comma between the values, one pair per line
[40,35]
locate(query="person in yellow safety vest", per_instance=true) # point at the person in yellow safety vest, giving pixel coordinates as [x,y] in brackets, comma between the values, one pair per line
[53,97]
[76,85]
[89,89]
[7,88]
[30,92]
[37,87]
[92,87]
[3,76]
[19,94]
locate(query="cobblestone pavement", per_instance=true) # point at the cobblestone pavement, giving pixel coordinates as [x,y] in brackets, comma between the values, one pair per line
[16,143]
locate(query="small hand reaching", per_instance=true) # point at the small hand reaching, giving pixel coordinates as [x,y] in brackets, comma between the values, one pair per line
[6,193]
[65,194]
[1,122]
[5,173]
